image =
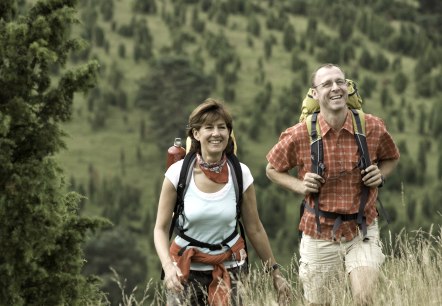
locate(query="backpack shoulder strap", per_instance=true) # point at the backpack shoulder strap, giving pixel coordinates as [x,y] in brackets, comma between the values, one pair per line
[238,184]
[317,157]
[361,140]
[364,162]
[183,184]
[237,178]
[314,132]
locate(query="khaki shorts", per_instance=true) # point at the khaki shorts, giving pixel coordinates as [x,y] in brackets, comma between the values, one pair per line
[322,262]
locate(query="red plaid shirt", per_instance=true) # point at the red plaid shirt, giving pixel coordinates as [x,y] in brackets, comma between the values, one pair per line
[343,180]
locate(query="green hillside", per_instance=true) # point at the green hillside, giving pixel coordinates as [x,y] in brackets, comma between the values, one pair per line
[160,58]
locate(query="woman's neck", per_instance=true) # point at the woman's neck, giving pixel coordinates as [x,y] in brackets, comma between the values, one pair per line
[211,158]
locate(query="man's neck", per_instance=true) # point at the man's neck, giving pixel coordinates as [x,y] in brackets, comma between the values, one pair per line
[336,119]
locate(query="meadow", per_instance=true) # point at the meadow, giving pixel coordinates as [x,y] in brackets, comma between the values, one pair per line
[410,276]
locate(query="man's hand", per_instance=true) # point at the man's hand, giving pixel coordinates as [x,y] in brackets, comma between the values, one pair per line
[312,183]
[372,176]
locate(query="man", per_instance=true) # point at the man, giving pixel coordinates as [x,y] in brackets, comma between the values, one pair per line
[328,246]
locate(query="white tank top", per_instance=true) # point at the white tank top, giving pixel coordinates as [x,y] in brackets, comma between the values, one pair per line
[209,217]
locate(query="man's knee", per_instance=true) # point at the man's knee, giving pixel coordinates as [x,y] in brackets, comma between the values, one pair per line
[363,284]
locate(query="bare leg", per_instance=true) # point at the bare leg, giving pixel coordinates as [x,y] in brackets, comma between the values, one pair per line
[363,282]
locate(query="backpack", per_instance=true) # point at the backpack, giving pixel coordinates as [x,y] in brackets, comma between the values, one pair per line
[183,184]
[309,114]
[310,105]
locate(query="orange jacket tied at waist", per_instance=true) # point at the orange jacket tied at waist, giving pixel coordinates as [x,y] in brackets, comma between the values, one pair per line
[220,285]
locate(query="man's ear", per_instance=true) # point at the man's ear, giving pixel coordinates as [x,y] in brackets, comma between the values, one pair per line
[314,94]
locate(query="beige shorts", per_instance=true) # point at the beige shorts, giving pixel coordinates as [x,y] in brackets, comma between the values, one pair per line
[322,262]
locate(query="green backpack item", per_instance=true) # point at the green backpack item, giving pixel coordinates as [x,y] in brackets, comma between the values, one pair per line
[310,105]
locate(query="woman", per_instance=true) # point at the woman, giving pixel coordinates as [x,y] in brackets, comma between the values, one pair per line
[210,216]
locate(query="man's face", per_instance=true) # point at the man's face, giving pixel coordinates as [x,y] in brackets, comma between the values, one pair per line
[330,89]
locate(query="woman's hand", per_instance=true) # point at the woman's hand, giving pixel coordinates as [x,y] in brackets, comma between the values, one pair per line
[172,277]
[283,289]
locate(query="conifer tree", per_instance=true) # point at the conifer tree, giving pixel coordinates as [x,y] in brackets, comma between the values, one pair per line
[41,232]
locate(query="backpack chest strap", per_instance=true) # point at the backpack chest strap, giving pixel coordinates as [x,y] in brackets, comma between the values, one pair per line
[200,244]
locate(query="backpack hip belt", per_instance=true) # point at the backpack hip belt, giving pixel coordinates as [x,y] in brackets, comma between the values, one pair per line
[339,218]
[200,244]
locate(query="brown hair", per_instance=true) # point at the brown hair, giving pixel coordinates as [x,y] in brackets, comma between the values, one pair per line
[207,112]
[328,65]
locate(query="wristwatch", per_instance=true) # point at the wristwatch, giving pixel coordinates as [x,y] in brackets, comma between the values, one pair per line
[383,181]
[272,268]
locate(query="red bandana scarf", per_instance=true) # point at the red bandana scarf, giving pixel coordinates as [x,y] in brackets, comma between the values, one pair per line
[214,171]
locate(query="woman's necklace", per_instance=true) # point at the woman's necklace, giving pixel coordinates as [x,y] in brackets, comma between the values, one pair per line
[214,171]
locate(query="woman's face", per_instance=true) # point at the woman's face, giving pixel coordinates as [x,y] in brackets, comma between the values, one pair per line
[213,137]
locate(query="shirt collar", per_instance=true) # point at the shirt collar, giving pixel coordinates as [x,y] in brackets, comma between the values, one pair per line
[348,124]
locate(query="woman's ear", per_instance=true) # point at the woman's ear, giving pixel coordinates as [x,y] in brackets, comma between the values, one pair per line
[195,134]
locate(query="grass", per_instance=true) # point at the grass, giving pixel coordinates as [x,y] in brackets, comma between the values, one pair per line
[411,275]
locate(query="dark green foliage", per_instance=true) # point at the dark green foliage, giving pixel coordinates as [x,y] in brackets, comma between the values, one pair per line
[368,85]
[229,93]
[298,63]
[8,10]
[380,63]
[425,86]
[171,89]
[289,104]
[400,82]
[427,209]
[288,38]
[253,26]
[217,44]
[400,122]
[143,41]
[411,209]
[42,233]
[366,59]
[312,26]
[198,24]
[268,45]
[116,249]
[331,53]
[261,104]
[375,26]
[386,99]
[348,53]
[439,167]
[422,157]
[423,121]
[107,9]
[127,30]
[100,37]
[277,20]
[144,6]
[121,203]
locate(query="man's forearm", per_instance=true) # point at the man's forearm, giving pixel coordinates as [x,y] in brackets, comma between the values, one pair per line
[284,179]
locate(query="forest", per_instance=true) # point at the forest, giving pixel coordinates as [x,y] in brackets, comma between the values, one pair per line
[93,92]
